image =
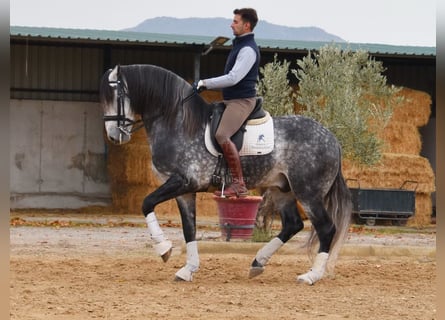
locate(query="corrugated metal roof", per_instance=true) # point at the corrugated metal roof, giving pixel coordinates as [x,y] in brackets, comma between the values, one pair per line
[107,35]
[156,38]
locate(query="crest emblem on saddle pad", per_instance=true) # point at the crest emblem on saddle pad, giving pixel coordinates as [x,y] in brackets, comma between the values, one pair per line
[258,138]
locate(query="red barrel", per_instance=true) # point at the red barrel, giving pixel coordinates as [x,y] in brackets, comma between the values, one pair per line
[237,216]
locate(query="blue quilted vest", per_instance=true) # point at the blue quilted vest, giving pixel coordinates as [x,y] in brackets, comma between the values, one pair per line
[246,87]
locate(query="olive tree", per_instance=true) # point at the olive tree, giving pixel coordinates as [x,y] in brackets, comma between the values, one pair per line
[347,92]
[278,96]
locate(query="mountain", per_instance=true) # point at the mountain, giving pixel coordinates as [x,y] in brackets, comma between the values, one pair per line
[221,27]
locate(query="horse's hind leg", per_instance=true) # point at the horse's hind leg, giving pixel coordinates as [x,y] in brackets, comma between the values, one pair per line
[325,229]
[291,225]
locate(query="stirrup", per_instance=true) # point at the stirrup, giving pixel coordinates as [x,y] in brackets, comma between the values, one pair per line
[230,192]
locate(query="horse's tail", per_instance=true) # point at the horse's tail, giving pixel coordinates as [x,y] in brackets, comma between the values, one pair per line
[338,204]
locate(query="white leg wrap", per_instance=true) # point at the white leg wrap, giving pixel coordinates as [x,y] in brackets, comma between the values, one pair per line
[163,247]
[317,270]
[153,227]
[162,244]
[192,264]
[266,252]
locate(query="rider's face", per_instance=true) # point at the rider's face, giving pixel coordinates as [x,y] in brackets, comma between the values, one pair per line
[238,26]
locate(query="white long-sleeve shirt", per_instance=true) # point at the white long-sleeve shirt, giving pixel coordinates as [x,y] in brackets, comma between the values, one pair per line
[243,63]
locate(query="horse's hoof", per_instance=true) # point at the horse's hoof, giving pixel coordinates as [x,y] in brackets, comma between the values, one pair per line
[255,271]
[166,255]
[306,279]
[164,249]
[184,275]
[179,279]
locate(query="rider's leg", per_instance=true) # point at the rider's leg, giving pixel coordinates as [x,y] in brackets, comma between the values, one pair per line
[235,114]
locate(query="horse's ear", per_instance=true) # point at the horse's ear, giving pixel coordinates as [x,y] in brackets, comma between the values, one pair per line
[112,77]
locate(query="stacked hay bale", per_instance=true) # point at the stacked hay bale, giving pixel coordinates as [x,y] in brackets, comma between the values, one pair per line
[401,158]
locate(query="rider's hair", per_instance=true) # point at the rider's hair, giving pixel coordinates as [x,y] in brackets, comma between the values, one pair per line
[248,15]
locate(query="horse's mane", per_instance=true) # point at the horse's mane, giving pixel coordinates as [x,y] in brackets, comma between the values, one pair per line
[155,93]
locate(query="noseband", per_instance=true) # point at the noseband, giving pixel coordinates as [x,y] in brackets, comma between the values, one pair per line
[122,121]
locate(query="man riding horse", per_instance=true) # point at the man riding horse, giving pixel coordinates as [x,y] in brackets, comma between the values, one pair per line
[239,93]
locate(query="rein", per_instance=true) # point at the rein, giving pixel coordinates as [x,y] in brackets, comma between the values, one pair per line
[122,121]
[189,97]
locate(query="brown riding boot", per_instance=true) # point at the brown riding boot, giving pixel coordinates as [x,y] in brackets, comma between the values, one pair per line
[238,187]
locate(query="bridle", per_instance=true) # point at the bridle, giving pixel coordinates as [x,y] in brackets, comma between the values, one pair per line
[122,121]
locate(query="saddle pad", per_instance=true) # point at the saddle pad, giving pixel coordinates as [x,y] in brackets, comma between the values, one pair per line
[258,138]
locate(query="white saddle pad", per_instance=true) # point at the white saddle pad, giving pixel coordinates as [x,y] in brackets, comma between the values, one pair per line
[258,138]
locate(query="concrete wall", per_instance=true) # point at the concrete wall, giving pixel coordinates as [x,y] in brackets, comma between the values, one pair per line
[57,155]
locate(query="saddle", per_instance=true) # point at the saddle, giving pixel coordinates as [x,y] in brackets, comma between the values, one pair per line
[215,118]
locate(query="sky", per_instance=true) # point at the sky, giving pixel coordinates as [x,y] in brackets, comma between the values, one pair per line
[395,22]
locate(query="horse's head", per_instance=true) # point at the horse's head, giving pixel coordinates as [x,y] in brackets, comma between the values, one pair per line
[118,116]
[155,94]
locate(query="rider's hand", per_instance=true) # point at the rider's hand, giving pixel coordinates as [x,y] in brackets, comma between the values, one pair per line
[199,86]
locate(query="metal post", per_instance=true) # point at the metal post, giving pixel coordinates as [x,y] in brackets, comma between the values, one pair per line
[197,66]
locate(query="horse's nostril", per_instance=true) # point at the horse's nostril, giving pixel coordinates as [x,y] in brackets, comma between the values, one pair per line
[113,140]
[119,139]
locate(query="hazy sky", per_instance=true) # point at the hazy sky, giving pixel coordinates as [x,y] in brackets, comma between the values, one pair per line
[397,22]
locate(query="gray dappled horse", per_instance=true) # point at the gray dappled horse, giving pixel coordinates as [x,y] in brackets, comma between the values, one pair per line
[304,165]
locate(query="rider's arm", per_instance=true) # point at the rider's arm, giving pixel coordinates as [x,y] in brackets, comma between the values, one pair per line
[244,62]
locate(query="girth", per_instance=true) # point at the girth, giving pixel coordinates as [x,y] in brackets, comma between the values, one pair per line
[218,109]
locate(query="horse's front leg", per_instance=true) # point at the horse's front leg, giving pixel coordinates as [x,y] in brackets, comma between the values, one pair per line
[187,208]
[173,187]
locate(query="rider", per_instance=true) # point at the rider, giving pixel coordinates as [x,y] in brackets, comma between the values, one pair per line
[239,92]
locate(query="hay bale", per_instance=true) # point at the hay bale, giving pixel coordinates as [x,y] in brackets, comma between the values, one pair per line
[415,109]
[393,170]
[206,205]
[131,164]
[422,216]
[400,137]
[131,167]
[129,199]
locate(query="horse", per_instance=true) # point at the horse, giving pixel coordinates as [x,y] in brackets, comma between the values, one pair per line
[304,166]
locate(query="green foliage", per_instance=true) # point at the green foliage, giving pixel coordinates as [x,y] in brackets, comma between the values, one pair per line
[262,235]
[347,93]
[274,88]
